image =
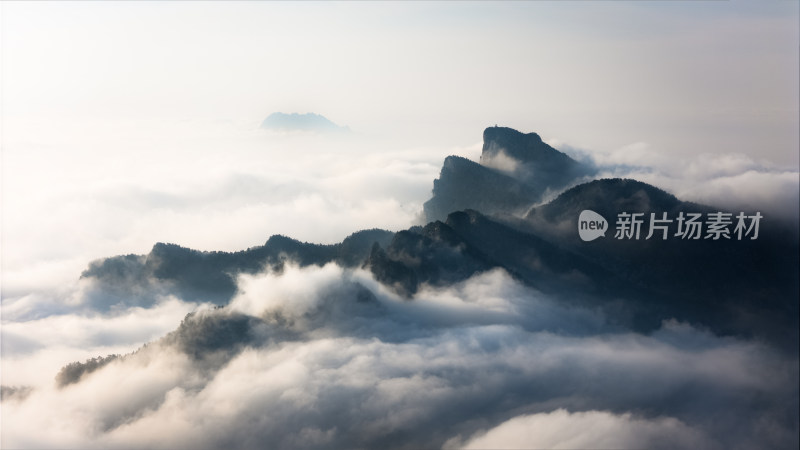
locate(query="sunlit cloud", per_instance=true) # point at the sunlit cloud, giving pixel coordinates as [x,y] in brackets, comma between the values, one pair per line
[321,357]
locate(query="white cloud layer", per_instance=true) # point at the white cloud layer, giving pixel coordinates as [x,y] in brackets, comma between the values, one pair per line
[325,357]
[728,180]
[561,429]
[69,199]
[34,350]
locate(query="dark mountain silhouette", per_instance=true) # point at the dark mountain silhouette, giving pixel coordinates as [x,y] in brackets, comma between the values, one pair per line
[467,243]
[747,287]
[515,171]
[73,372]
[279,121]
[210,336]
[728,282]
[537,164]
[720,263]
[464,184]
[739,287]
[211,276]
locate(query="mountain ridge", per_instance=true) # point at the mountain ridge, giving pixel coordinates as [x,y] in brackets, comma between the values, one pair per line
[739,287]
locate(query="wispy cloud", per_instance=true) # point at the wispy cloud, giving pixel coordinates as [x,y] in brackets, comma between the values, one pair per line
[327,357]
[728,180]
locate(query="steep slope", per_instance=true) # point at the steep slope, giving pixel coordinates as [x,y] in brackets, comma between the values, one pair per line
[730,283]
[531,160]
[743,287]
[211,276]
[514,172]
[468,242]
[464,184]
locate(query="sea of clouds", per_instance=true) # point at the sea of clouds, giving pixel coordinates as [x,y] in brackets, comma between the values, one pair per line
[326,356]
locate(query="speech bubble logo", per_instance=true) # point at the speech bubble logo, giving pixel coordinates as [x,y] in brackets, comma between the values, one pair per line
[591,225]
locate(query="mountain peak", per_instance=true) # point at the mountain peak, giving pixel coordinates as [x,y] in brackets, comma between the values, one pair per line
[523,147]
[515,170]
[496,132]
[279,121]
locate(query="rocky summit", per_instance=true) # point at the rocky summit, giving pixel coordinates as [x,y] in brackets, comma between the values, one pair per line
[516,170]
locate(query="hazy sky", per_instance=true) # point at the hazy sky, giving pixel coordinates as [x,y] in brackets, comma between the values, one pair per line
[127,123]
[682,76]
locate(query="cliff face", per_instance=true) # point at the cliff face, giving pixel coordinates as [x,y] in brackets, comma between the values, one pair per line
[464,184]
[514,172]
[534,162]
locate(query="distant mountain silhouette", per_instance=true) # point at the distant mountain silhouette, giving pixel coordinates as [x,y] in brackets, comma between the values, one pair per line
[279,121]
[515,171]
